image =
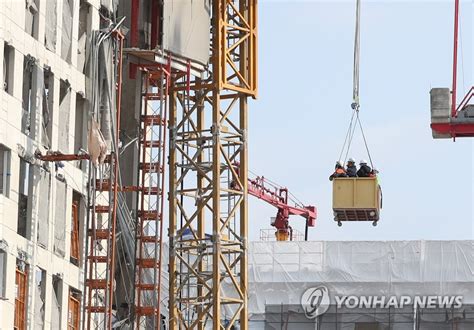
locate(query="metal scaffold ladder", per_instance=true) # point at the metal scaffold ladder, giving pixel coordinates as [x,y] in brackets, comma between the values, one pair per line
[102,239]
[151,186]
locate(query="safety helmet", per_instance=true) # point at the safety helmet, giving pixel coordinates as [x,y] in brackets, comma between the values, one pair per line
[351,160]
[338,163]
[363,162]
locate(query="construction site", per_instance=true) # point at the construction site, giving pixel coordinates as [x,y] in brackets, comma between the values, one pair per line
[141,142]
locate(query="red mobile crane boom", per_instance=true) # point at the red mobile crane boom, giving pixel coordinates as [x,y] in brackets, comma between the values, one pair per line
[279,198]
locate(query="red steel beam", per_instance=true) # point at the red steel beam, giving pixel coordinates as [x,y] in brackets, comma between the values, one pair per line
[454,129]
[278,199]
[62,157]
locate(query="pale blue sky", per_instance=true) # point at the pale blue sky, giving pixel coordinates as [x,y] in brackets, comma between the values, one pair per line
[297,125]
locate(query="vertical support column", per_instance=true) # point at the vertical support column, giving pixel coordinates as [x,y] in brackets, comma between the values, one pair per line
[216,212]
[218,69]
[173,312]
[247,64]
[243,172]
[200,185]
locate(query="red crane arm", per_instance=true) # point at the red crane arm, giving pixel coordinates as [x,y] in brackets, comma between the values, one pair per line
[278,197]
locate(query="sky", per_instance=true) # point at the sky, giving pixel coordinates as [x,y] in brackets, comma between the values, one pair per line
[298,123]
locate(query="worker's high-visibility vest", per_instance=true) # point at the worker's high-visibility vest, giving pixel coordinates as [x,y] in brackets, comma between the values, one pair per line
[340,171]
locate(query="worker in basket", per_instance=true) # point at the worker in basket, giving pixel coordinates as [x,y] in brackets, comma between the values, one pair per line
[374,173]
[339,171]
[364,170]
[351,168]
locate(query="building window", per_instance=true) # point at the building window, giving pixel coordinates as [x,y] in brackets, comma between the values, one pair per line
[3,272]
[74,308]
[43,186]
[79,127]
[75,233]
[56,303]
[23,193]
[59,225]
[48,99]
[64,110]
[82,33]
[29,63]
[21,294]
[5,157]
[32,17]
[40,294]
[51,22]
[66,38]
[8,68]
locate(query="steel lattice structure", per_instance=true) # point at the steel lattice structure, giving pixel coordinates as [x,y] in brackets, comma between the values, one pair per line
[157,71]
[208,218]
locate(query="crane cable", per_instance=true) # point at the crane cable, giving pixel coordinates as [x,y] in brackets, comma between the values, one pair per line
[348,139]
[355,96]
[365,141]
[275,185]
[355,78]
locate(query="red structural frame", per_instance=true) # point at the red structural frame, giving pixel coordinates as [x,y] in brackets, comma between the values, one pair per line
[452,128]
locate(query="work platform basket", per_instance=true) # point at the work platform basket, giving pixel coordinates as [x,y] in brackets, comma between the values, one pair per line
[356,199]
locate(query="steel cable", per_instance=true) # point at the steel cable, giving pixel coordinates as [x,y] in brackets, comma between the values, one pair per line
[355,95]
[365,141]
[347,136]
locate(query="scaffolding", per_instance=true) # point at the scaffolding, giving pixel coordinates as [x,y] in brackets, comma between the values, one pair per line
[155,71]
[151,178]
[208,218]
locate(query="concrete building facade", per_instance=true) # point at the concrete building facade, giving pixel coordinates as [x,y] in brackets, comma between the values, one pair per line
[42,205]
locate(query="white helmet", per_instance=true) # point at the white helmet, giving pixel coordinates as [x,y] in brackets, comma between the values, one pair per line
[339,163]
[351,160]
[363,162]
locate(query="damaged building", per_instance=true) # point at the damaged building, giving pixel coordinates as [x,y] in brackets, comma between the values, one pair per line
[58,133]
[43,205]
